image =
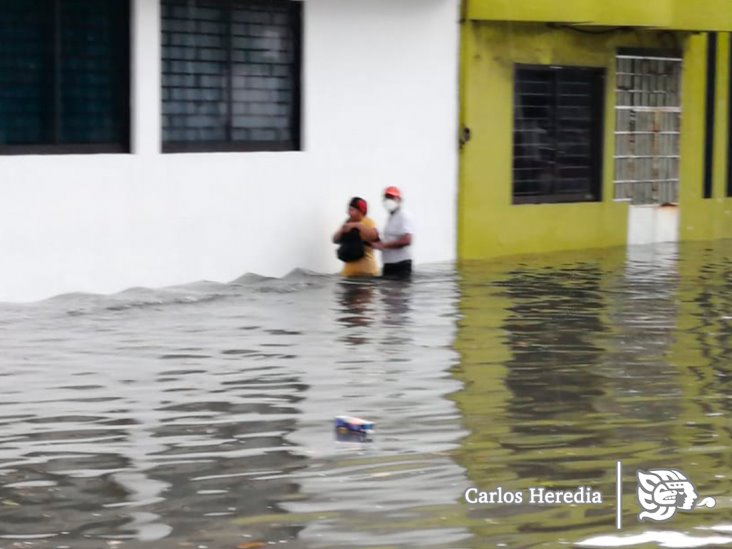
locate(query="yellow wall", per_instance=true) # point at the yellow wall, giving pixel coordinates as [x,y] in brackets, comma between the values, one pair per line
[531,10]
[489,224]
[704,219]
[702,15]
[668,14]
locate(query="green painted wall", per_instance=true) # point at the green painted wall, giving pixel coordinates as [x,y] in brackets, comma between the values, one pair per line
[489,224]
[531,10]
[667,14]
[704,219]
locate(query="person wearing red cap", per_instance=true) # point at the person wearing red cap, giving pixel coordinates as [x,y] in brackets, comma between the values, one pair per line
[358,226]
[396,244]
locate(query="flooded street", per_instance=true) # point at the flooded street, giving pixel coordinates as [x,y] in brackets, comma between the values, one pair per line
[202,415]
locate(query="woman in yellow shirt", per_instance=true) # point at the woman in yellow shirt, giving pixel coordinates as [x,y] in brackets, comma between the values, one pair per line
[366,266]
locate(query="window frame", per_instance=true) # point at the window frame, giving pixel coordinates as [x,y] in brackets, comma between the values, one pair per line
[122,103]
[637,94]
[598,81]
[290,145]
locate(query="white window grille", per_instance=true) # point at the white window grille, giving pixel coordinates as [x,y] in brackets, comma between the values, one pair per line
[647,127]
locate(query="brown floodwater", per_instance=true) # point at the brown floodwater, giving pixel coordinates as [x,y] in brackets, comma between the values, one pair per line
[202,415]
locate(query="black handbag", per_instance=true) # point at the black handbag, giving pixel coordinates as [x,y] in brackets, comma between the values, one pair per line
[352,247]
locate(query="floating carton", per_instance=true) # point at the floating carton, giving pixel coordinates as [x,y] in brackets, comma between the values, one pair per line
[348,424]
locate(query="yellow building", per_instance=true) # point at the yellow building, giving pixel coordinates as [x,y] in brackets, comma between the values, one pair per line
[591,123]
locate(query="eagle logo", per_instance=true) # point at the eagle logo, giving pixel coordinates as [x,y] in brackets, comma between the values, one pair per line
[662,491]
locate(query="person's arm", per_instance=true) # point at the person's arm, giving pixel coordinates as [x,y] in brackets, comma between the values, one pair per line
[340,232]
[401,242]
[368,232]
[406,229]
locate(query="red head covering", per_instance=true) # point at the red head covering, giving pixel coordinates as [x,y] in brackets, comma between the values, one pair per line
[359,203]
[393,192]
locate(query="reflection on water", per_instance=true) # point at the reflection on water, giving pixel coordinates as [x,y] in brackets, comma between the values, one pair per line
[202,415]
[574,361]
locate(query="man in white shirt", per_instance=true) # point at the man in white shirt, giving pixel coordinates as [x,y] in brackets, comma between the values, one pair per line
[396,239]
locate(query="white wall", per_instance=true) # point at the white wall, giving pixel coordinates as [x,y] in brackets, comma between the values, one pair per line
[380,108]
[651,223]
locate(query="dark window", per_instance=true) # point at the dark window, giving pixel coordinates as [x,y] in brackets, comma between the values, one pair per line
[710,114]
[557,139]
[231,75]
[64,76]
[729,123]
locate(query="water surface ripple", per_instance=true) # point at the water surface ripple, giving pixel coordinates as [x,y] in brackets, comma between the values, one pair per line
[201,415]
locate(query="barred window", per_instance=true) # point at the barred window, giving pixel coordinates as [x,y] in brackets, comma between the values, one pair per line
[231,75]
[64,76]
[647,125]
[557,140]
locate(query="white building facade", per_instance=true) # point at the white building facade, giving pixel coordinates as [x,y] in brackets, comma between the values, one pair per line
[207,169]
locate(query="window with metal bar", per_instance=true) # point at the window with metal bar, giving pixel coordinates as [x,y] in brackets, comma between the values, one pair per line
[557,138]
[231,75]
[64,76]
[647,125]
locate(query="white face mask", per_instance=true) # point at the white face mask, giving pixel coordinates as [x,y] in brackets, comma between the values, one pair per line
[391,205]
